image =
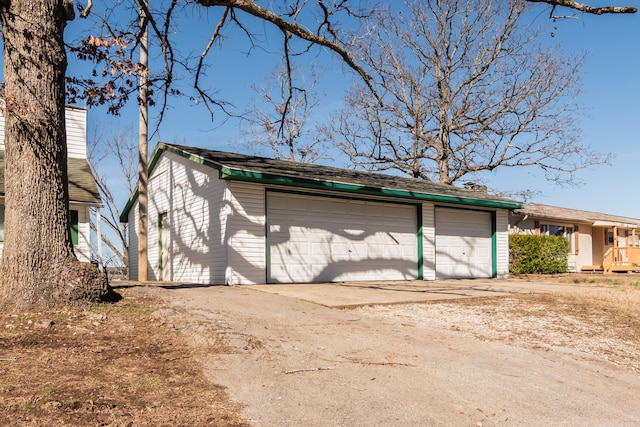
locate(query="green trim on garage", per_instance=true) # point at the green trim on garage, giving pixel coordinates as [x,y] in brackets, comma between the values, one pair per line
[267,257]
[420,243]
[281,177]
[493,232]
[239,175]
[494,246]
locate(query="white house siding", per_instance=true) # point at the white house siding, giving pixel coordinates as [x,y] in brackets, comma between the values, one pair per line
[76,124]
[245,233]
[83,248]
[192,196]
[502,243]
[428,241]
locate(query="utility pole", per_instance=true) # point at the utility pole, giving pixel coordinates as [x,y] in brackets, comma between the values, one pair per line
[143,128]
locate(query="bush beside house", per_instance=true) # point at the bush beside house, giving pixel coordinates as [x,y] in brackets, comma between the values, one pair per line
[533,254]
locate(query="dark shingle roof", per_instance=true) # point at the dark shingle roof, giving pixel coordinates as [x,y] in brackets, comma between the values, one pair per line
[306,171]
[82,184]
[242,167]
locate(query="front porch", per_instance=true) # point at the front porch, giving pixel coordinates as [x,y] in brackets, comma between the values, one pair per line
[617,260]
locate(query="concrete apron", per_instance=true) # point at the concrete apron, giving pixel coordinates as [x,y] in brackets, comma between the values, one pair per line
[353,294]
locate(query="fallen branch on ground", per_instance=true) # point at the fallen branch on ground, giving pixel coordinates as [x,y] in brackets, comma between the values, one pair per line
[295,371]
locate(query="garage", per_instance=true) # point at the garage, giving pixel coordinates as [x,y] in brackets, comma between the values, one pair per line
[464,243]
[239,219]
[328,239]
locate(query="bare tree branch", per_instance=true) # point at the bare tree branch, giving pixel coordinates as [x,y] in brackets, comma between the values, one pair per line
[253,9]
[465,90]
[278,119]
[208,101]
[120,150]
[585,8]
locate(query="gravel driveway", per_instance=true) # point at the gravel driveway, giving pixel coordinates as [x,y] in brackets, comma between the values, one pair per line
[296,363]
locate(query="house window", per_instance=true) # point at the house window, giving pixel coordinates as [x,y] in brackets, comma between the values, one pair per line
[556,230]
[609,238]
[559,230]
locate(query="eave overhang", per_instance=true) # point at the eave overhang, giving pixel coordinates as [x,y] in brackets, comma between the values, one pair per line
[247,175]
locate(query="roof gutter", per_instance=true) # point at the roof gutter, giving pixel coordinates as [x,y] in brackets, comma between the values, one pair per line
[232,174]
[242,175]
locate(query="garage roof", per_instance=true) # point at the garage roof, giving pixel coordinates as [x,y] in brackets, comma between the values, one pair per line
[242,167]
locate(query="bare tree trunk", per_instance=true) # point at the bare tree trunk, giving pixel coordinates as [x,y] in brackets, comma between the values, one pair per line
[38,265]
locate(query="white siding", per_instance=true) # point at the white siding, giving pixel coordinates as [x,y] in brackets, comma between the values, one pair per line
[502,243]
[158,190]
[428,241]
[76,123]
[193,197]
[245,233]
[133,243]
[83,248]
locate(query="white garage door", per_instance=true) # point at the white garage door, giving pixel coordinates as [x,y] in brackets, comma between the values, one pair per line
[323,239]
[463,243]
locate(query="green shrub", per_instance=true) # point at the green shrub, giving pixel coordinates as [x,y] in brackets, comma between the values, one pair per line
[531,254]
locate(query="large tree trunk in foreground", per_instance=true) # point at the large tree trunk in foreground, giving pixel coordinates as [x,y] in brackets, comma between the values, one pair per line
[38,265]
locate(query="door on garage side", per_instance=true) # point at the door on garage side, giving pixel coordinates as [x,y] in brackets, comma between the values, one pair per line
[327,239]
[163,246]
[464,243]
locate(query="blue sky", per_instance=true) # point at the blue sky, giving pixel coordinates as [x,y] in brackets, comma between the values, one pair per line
[610,95]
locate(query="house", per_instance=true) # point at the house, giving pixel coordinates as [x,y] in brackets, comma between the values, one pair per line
[224,218]
[83,192]
[598,242]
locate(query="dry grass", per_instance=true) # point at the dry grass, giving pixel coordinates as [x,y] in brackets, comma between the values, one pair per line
[603,322]
[616,302]
[115,365]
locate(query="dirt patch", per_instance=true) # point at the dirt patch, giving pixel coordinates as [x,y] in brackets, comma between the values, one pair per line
[604,323]
[123,364]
